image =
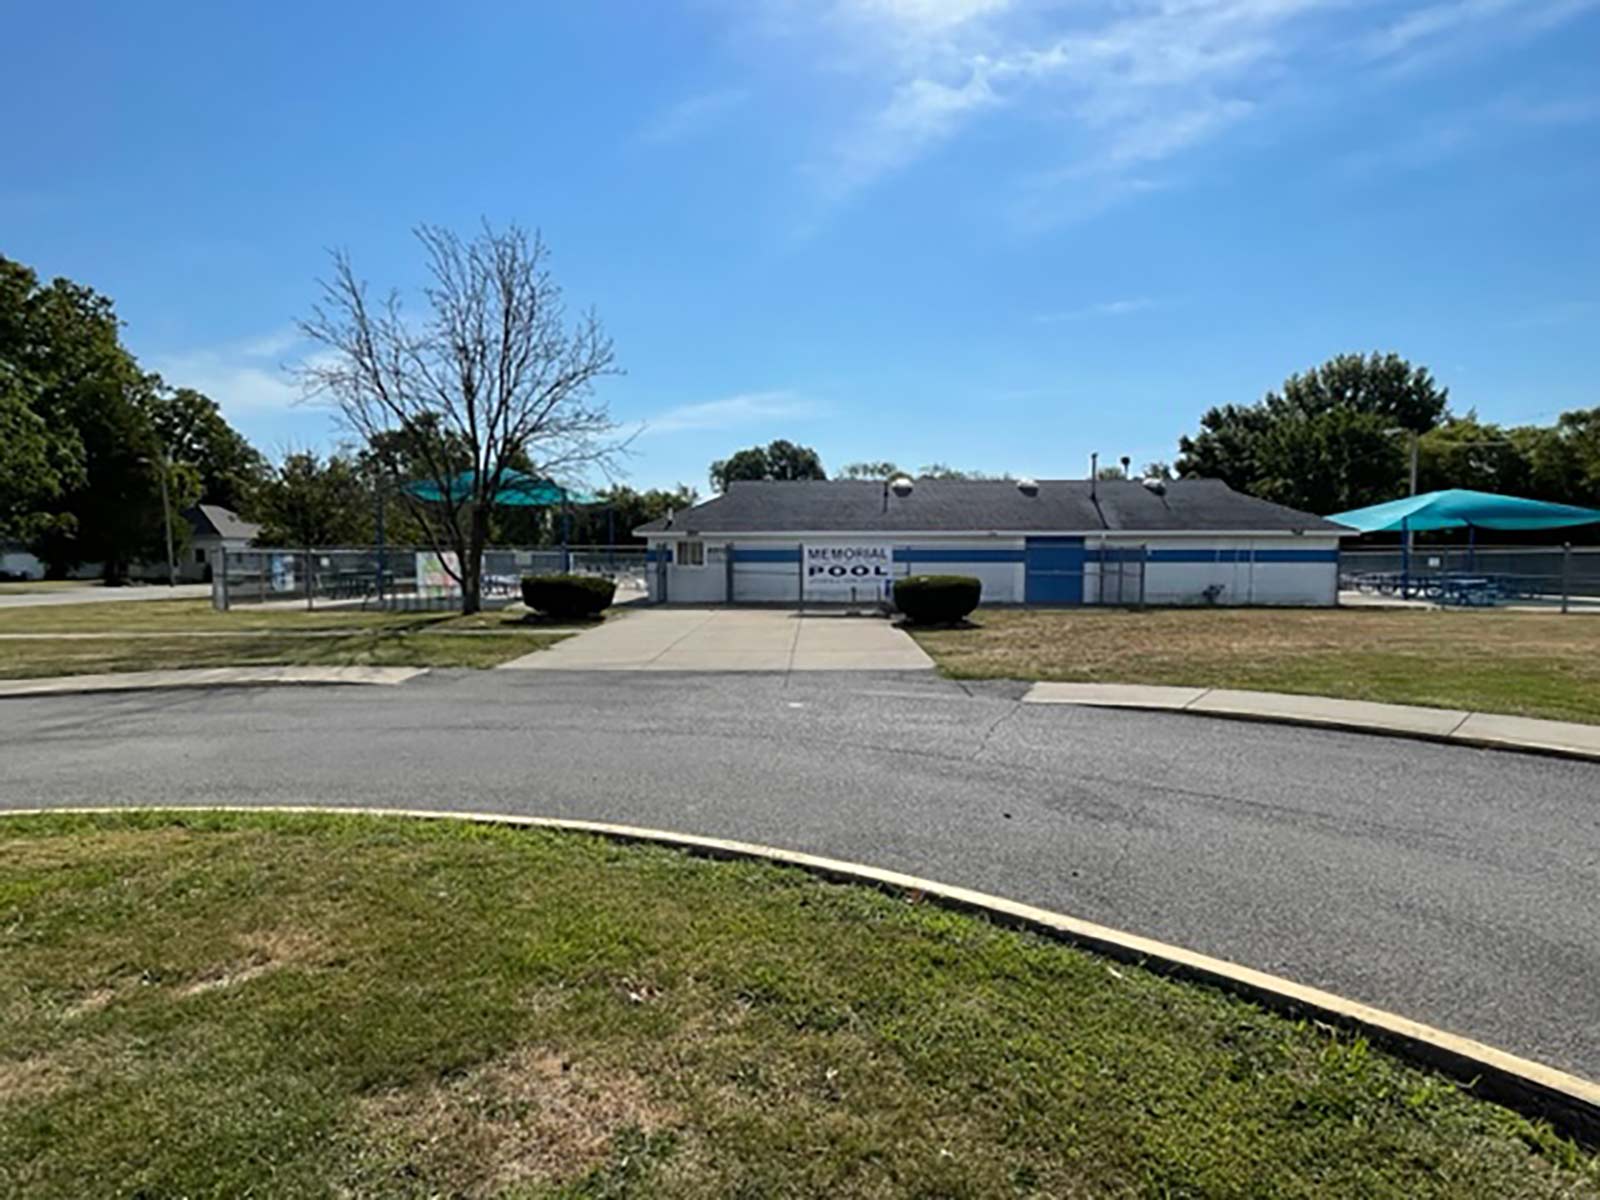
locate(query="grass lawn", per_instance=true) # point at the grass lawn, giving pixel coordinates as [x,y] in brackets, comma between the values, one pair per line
[1530,664]
[223,1005]
[167,616]
[266,637]
[377,648]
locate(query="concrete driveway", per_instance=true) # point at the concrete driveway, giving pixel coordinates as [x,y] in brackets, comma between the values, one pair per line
[732,639]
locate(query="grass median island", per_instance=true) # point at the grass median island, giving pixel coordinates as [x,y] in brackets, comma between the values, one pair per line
[210,1005]
[1527,664]
[170,634]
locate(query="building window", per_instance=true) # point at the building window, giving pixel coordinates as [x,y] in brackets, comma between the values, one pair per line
[199,554]
[691,554]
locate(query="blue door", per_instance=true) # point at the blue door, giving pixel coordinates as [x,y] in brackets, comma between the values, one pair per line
[1055,570]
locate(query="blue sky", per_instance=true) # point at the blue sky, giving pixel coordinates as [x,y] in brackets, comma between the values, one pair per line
[996,234]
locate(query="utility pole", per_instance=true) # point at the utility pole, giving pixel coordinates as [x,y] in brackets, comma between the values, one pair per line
[165,466]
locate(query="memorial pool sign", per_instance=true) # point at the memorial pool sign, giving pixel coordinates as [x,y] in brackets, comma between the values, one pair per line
[847,571]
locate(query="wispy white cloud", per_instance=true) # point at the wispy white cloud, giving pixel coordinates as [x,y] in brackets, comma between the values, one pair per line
[732,412]
[248,375]
[920,114]
[1106,308]
[1114,90]
[691,116]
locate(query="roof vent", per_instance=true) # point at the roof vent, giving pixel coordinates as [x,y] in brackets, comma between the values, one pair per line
[1158,486]
[1028,487]
[901,486]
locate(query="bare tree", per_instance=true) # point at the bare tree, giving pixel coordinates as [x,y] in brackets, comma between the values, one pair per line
[493,379]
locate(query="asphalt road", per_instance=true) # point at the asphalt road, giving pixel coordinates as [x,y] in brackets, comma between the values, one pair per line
[1460,887]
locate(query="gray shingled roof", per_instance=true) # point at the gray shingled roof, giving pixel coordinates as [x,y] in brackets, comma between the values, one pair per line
[212,520]
[958,506]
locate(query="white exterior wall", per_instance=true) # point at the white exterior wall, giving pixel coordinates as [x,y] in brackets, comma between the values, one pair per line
[17,561]
[1003,582]
[1247,573]
[767,570]
[1169,579]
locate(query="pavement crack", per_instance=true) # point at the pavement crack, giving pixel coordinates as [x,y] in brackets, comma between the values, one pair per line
[983,742]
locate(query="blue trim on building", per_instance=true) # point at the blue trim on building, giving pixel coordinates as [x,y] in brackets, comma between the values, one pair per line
[655,554]
[768,556]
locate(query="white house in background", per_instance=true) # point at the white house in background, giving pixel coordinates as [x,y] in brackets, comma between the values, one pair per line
[17,562]
[212,529]
[1052,542]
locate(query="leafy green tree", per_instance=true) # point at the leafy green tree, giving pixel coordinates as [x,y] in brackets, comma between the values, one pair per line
[777,460]
[870,470]
[61,341]
[87,439]
[619,510]
[308,501]
[193,431]
[939,470]
[1330,439]
[36,465]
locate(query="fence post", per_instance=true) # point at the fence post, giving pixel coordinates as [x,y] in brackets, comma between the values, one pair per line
[219,588]
[1566,575]
[727,551]
[800,574]
[310,589]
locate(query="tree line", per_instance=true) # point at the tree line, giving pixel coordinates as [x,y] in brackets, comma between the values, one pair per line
[496,383]
[89,440]
[96,453]
[1336,437]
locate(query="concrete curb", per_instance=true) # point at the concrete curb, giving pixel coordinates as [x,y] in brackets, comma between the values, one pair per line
[206,677]
[1455,727]
[1571,1105]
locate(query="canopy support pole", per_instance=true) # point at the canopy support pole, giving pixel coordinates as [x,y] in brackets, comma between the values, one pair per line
[1472,546]
[1405,559]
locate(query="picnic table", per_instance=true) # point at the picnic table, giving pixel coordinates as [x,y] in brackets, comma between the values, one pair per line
[1466,589]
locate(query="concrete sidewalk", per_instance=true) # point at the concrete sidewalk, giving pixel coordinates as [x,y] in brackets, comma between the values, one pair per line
[133,681]
[721,639]
[99,595]
[1565,738]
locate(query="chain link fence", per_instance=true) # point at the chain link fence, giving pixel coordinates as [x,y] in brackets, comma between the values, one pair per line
[403,578]
[1553,577]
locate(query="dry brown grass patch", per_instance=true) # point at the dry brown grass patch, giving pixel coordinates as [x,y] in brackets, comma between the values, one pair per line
[530,1116]
[25,1080]
[264,951]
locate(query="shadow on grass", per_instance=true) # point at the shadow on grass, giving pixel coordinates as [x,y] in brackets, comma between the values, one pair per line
[911,626]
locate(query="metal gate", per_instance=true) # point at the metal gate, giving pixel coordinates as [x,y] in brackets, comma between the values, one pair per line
[1122,574]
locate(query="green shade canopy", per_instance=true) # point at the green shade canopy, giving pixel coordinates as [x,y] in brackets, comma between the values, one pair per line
[516,489]
[1458,508]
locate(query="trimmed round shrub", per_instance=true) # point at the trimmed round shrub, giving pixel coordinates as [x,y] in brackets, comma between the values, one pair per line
[936,599]
[568,595]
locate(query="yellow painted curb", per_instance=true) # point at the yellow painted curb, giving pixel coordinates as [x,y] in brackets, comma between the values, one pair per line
[1570,1104]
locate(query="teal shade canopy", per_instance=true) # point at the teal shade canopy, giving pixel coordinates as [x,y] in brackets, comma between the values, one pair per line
[516,489]
[1458,508]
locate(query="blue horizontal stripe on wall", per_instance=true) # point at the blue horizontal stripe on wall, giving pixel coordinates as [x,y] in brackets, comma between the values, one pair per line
[1297,556]
[774,556]
[937,554]
[653,555]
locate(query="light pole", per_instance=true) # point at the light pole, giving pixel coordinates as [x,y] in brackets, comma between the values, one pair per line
[166,511]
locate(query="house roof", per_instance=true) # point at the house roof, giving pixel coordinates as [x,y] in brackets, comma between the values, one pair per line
[212,520]
[970,506]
